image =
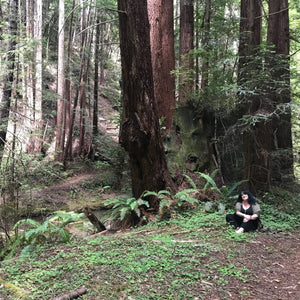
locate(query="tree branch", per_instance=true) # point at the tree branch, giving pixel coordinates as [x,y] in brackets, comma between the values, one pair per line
[78,292]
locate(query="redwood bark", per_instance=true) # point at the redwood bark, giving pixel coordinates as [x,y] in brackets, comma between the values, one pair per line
[96,77]
[279,70]
[8,81]
[186,44]
[257,143]
[206,29]
[60,84]
[140,133]
[163,57]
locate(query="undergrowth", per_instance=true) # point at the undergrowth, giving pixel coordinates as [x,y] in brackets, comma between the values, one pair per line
[194,251]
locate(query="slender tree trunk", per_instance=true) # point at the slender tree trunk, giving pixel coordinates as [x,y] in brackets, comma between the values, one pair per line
[102,52]
[68,85]
[163,57]
[140,133]
[35,141]
[96,76]
[84,122]
[205,41]
[9,78]
[186,44]
[83,81]
[28,94]
[60,126]
[197,45]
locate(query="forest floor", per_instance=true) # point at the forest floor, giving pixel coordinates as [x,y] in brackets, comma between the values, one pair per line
[168,260]
[194,255]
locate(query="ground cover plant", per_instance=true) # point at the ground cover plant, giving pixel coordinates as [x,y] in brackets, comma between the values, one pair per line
[194,255]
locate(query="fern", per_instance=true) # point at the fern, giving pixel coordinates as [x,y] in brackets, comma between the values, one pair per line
[121,207]
[36,233]
[192,183]
[210,183]
[160,195]
[184,196]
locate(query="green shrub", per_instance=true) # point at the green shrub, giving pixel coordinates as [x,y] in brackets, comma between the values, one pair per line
[29,233]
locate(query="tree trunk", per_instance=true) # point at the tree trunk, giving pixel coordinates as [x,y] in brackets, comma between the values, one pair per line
[279,70]
[60,123]
[250,31]
[163,57]
[257,140]
[10,63]
[68,83]
[35,140]
[28,80]
[140,133]
[96,76]
[186,44]
[205,42]
[83,81]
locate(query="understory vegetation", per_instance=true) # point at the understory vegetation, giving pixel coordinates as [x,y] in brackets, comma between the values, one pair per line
[189,253]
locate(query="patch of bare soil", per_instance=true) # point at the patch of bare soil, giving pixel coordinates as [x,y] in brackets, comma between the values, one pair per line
[57,193]
[274,264]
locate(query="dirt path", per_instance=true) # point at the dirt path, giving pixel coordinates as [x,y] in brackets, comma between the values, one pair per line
[275,259]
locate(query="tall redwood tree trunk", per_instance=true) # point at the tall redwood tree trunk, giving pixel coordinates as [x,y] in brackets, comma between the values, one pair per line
[9,78]
[257,141]
[186,44]
[205,41]
[140,133]
[163,57]
[279,70]
[60,120]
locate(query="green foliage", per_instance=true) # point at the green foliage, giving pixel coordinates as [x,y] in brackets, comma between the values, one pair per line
[225,192]
[275,219]
[122,207]
[185,196]
[171,202]
[177,255]
[210,182]
[30,233]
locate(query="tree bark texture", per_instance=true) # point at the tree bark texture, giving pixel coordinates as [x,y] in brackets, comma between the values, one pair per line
[60,122]
[257,141]
[96,76]
[205,41]
[186,44]
[163,57]
[140,133]
[35,140]
[279,70]
[7,85]
[250,30]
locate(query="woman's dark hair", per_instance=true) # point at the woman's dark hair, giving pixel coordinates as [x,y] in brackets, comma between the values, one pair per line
[251,199]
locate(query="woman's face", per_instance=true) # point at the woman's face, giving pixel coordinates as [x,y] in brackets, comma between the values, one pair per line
[244,197]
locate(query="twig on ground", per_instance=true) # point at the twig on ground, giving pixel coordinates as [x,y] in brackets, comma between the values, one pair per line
[78,292]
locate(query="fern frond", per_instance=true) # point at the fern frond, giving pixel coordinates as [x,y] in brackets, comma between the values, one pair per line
[27,222]
[190,181]
[210,182]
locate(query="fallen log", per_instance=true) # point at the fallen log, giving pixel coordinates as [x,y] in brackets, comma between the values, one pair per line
[78,292]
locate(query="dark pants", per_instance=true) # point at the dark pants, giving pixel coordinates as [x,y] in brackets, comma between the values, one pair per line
[237,222]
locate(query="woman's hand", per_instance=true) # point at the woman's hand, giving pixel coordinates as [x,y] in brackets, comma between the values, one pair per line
[246,218]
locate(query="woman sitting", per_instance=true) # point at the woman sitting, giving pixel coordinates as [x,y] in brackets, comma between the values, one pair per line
[246,216]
